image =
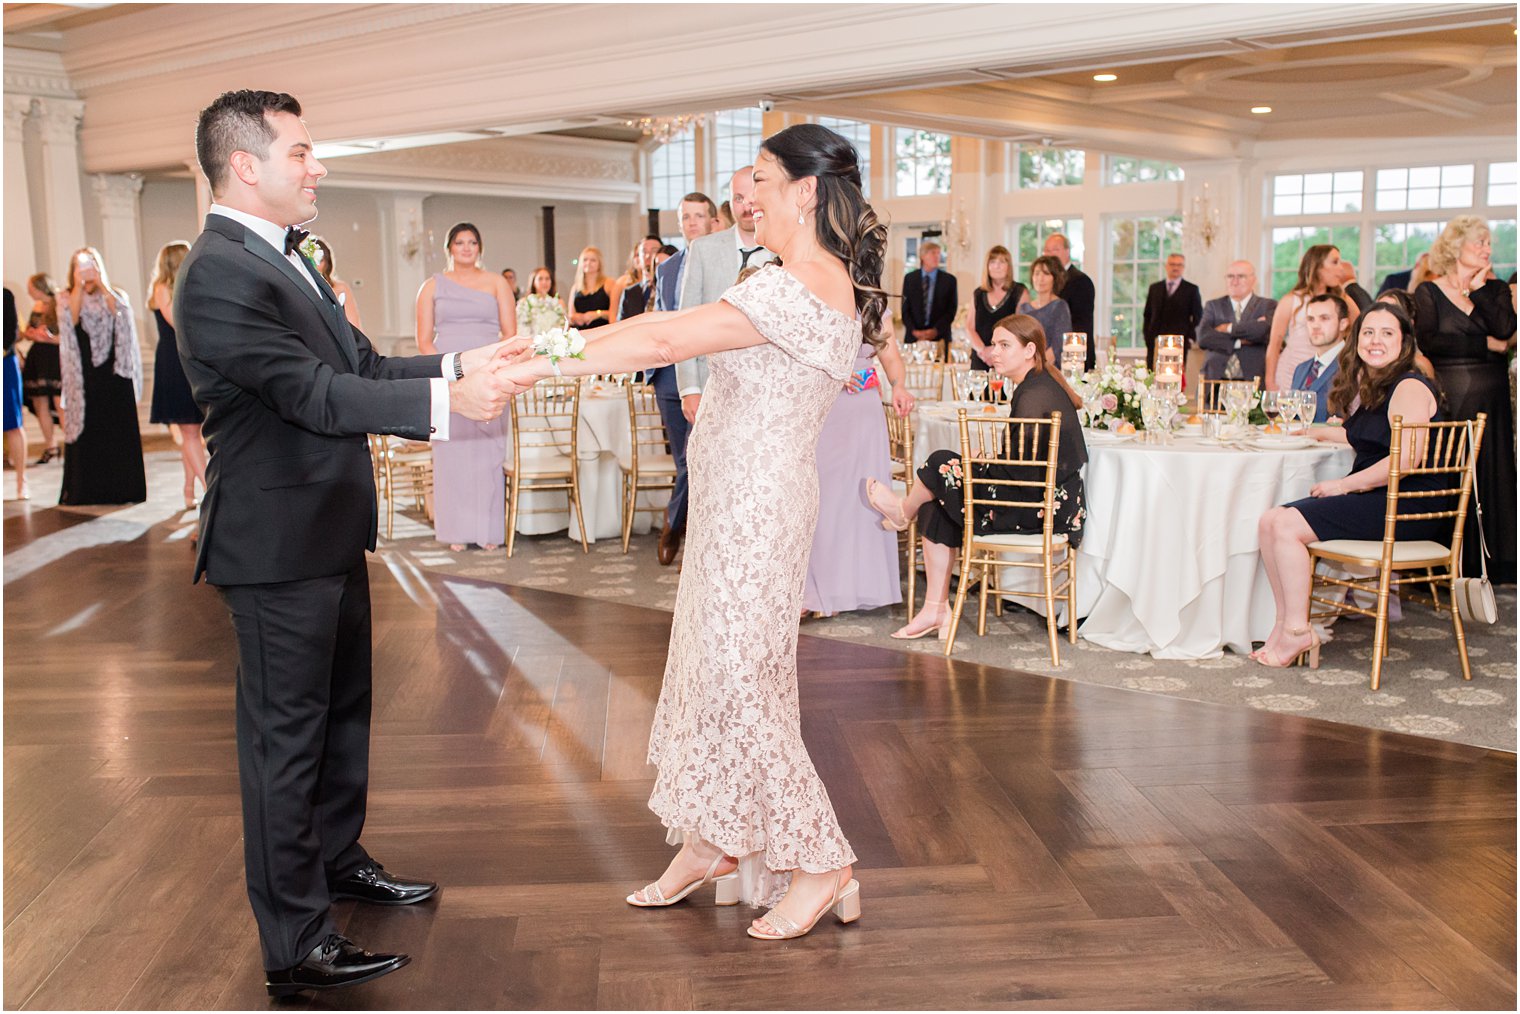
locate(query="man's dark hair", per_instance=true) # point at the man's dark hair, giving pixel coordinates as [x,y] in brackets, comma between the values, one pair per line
[668,250]
[1341,310]
[697,197]
[236,122]
[655,238]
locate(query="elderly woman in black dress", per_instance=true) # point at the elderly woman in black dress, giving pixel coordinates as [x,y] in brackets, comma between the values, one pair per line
[1018,352]
[1378,374]
[1466,326]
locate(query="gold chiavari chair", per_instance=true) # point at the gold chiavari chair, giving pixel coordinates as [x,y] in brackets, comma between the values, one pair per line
[545,441]
[1031,445]
[402,467]
[1211,394]
[926,381]
[900,451]
[1446,450]
[649,465]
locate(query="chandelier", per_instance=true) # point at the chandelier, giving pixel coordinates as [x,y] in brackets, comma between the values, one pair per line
[1202,222]
[666,128]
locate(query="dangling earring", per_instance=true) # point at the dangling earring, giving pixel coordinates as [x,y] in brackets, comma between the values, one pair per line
[800,219]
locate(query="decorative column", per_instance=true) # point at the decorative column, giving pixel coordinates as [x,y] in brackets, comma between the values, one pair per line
[62,201]
[202,191]
[403,266]
[121,247]
[21,258]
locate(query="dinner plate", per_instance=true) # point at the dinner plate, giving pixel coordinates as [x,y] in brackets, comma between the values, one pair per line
[1282,443]
[1107,437]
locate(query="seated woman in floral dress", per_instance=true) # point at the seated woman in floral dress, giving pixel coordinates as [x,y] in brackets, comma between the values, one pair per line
[1018,352]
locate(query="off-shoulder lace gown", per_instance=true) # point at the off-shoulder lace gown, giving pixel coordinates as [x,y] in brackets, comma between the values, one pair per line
[727,735]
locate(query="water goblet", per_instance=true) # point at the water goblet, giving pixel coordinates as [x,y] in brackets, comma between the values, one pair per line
[1288,406]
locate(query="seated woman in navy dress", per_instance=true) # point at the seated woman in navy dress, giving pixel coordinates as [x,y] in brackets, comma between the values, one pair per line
[1379,380]
[1017,351]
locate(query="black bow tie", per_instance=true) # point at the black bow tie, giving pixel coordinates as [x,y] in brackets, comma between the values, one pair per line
[294,238]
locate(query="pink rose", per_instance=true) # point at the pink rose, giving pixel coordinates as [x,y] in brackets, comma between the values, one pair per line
[1110,402]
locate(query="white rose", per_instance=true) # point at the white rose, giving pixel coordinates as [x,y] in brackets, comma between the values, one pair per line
[577,342]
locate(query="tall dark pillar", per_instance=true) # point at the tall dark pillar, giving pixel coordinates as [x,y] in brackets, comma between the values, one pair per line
[654,221]
[548,210]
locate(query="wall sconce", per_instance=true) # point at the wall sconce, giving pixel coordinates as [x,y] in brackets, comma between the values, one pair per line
[411,238]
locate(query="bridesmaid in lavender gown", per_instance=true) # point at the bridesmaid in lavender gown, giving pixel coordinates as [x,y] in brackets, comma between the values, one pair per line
[463,308]
[854,564]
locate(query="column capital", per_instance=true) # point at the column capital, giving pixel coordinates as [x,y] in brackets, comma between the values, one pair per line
[60,119]
[117,193]
[17,109]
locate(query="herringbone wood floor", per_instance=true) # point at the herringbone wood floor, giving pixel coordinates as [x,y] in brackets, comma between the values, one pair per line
[1024,842]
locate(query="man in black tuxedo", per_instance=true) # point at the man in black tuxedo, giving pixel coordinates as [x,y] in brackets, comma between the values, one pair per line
[1172,306]
[290,389]
[929,299]
[1079,294]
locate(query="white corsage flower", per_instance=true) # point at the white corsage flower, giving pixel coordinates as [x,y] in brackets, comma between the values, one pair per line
[560,343]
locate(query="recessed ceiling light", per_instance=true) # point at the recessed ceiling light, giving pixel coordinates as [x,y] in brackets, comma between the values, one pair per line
[1261,110]
[1105,77]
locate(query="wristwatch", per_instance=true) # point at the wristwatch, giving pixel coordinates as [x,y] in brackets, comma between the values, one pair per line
[458,367]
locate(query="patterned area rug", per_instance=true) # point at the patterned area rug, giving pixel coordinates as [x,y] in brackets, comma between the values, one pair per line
[1423,692]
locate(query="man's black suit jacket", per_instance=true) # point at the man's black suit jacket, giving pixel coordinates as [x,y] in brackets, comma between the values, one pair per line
[1178,313]
[289,390]
[941,314]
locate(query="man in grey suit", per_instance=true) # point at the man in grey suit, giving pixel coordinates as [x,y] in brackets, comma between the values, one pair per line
[712,264]
[1236,326]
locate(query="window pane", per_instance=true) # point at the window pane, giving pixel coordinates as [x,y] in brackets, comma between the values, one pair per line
[923,162]
[1137,250]
[1317,204]
[672,172]
[1027,241]
[1348,182]
[859,134]
[1456,175]
[1123,169]
[736,140]
[1288,185]
[1504,248]
[1392,200]
[1050,167]
[1318,183]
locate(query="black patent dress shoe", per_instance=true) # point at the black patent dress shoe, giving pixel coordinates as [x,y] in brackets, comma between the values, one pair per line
[371,883]
[333,964]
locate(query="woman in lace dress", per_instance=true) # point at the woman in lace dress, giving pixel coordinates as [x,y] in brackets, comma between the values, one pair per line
[735,781]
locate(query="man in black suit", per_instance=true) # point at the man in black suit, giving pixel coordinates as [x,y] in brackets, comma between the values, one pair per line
[289,390]
[1078,292]
[1172,306]
[929,299]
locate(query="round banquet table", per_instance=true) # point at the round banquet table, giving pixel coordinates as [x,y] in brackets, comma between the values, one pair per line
[1169,564]
[603,442]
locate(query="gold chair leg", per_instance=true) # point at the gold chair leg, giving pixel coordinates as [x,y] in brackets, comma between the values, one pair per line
[512,489]
[1456,625]
[1380,631]
[630,496]
[960,604]
[981,612]
[575,501]
[1050,617]
[1071,594]
[912,565]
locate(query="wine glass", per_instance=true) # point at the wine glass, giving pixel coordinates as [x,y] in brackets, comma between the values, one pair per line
[995,381]
[1270,403]
[1308,405]
[1288,406]
[979,379]
[1166,413]
[1150,408]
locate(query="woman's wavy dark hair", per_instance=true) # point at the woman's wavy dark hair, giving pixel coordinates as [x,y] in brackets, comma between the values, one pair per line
[847,226]
[1355,379]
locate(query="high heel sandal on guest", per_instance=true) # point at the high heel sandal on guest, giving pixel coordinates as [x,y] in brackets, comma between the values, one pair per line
[727,889]
[1309,654]
[845,904]
[886,502]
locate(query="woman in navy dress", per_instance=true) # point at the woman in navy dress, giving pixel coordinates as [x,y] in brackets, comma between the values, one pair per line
[1379,370]
[172,402]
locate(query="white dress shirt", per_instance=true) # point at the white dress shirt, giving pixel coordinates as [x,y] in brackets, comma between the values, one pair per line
[274,235]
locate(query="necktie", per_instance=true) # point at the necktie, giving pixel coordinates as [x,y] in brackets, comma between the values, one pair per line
[928,295]
[1312,375]
[293,239]
[1237,311]
[747,253]
[1171,287]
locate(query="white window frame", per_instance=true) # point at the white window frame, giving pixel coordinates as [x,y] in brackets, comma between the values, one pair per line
[949,161]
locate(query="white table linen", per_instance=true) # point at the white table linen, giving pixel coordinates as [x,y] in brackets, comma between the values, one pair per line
[603,442]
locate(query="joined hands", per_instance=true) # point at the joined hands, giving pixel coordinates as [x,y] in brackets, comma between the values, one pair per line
[491,378]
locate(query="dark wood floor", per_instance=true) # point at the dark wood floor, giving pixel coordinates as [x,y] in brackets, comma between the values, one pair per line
[1024,842]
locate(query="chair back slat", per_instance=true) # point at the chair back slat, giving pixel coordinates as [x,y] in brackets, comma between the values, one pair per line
[1446,449]
[547,417]
[926,381]
[1211,394]
[1009,442]
[646,427]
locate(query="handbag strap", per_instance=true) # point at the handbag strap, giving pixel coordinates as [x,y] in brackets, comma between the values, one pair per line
[1472,466]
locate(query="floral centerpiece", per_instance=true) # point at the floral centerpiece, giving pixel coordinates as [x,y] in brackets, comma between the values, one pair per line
[537,314]
[1111,396]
